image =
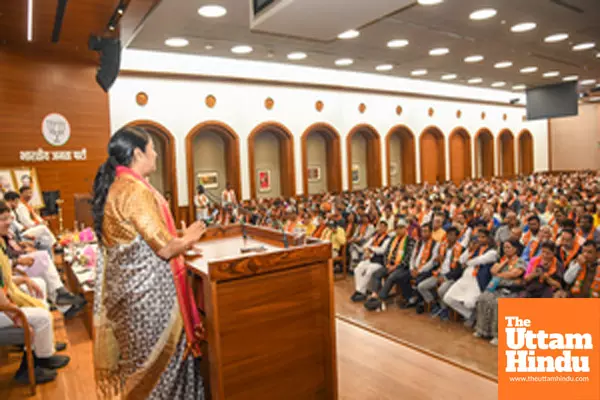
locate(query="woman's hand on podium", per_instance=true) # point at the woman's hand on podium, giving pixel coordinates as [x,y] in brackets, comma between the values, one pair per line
[180,245]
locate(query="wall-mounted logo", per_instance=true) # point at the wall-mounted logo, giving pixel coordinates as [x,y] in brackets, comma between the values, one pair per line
[56,129]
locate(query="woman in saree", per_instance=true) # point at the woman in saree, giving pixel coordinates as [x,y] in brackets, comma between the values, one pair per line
[506,282]
[147,325]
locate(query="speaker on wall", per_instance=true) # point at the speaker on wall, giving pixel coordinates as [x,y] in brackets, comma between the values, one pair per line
[110,59]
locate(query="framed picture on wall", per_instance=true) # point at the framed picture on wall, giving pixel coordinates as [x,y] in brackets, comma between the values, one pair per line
[28,177]
[264,180]
[393,169]
[355,173]
[7,182]
[210,180]
[314,174]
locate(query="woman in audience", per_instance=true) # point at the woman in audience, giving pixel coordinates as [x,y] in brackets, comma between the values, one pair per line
[506,282]
[544,274]
[145,317]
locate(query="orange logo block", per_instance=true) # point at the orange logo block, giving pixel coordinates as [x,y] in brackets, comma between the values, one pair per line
[548,349]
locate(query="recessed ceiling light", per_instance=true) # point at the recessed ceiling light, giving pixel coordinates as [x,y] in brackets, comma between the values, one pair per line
[396,43]
[528,70]
[584,46]
[242,49]
[212,11]
[209,47]
[474,81]
[429,2]
[419,72]
[523,27]
[588,82]
[297,55]
[473,59]
[551,74]
[570,78]
[484,13]
[557,37]
[598,55]
[351,34]
[449,77]
[441,51]
[519,87]
[503,64]
[384,67]
[498,84]
[177,42]
[343,62]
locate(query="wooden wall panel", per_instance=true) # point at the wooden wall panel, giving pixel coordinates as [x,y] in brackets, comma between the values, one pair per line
[32,86]
[460,155]
[526,155]
[506,154]
[433,156]
[484,154]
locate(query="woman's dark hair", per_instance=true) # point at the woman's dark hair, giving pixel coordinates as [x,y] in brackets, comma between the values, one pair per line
[11,196]
[200,189]
[549,245]
[120,152]
[517,245]
[4,207]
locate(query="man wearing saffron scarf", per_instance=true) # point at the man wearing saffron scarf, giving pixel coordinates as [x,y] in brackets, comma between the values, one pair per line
[27,221]
[583,275]
[374,259]
[397,265]
[422,265]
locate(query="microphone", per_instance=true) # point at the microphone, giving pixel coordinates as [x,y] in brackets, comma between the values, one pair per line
[285,239]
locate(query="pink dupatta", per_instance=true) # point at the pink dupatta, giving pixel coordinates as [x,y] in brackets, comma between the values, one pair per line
[194,330]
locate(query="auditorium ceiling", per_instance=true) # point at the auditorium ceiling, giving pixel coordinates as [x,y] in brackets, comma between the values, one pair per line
[311,27]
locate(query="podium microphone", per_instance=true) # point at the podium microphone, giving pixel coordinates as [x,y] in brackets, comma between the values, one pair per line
[285,239]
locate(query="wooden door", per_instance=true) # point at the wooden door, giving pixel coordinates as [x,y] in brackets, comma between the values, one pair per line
[458,155]
[429,158]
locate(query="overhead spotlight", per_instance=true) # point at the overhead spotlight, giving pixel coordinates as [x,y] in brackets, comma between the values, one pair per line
[177,42]
[212,11]
[297,55]
[503,64]
[473,59]
[384,67]
[351,34]
[474,81]
[441,51]
[344,62]
[484,13]
[396,43]
[528,70]
[429,2]
[557,37]
[523,27]
[449,77]
[584,46]
[551,74]
[498,84]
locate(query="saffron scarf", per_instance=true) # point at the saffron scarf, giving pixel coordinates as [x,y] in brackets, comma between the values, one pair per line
[548,272]
[398,246]
[194,329]
[567,258]
[476,253]
[457,250]
[425,254]
[594,287]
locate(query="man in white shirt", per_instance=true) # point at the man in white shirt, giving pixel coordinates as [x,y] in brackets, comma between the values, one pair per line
[29,224]
[228,195]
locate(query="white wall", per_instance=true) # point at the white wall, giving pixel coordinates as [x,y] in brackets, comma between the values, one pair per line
[178,105]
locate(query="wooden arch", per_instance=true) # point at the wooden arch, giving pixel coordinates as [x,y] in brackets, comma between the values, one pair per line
[506,153]
[334,158]
[459,144]
[484,148]
[526,154]
[286,141]
[232,155]
[433,167]
[373,154]
[170,172]
[407,157]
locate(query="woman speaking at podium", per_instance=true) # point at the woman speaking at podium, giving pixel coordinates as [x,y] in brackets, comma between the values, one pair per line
[147,326]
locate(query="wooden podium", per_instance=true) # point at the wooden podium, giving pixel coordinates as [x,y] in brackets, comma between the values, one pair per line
[269,315]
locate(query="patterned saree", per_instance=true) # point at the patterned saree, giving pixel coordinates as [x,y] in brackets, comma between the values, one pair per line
[146,322]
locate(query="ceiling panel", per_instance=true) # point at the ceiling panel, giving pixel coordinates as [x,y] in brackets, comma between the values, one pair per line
[426,27]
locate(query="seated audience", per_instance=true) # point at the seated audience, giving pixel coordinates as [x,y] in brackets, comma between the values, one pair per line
[582,278]
[397,265]
[463,295]
[544,274]
[506,282]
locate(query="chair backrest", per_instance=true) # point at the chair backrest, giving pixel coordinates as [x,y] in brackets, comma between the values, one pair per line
[12,336]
